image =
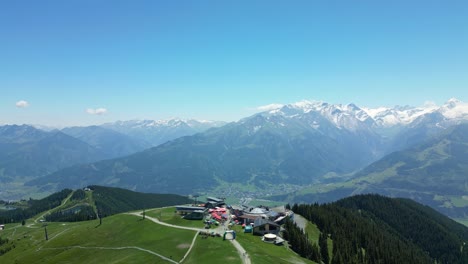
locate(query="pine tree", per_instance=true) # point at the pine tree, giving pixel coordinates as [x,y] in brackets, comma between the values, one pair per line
[337,258]
[324,248]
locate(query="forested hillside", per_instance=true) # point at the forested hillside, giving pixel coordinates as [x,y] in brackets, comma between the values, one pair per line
[84,205]
[33,207]
[116,200]
[376,229]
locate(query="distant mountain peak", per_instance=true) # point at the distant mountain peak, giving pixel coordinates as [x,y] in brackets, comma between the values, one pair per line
[348,116]
[157,132]
[453,101]
[164,122]
[454,108]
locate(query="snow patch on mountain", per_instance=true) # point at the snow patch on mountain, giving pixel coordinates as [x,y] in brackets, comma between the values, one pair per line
[454,109]
[387,117]
[354,118]
[348,116]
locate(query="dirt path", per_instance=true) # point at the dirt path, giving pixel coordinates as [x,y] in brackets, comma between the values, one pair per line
[242,253]
[46,212]
[190,248]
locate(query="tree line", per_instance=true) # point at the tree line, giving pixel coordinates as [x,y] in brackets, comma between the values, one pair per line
[300,243]
[75,214]
[111,201]
[34,207]
[376,229]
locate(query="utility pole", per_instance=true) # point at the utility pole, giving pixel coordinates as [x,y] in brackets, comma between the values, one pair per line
[45,231]
[144,213]
[100,217]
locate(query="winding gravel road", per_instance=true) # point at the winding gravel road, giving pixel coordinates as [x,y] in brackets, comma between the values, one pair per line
[242,253]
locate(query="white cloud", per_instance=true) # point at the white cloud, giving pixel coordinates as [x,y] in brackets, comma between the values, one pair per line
[22,104]
[269,107]
[97,111]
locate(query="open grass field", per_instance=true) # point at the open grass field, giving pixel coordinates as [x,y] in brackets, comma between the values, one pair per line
[120,239]
[212,250]
[169,216]
[264,253]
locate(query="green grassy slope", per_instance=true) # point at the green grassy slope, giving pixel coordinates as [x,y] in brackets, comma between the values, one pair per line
[212,250]
[115,231]
[129,239]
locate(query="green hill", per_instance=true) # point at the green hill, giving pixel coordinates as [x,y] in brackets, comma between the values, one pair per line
[116,200]
[435,233]
[120,239]
[376,229]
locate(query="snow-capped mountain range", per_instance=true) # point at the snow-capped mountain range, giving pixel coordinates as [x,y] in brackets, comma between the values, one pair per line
[352,117]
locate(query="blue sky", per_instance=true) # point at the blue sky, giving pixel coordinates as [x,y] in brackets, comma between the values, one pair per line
[70,60]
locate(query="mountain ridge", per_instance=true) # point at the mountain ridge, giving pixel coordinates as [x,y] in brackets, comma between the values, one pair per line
[433,173]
